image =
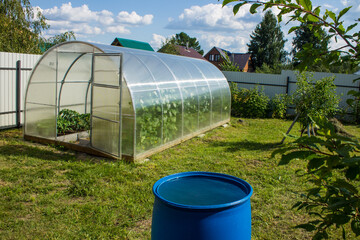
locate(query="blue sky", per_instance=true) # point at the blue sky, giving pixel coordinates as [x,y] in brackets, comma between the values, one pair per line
[153,21]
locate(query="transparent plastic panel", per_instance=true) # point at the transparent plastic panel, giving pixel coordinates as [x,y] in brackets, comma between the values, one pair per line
[205,69]
[191,109]
[158,69]
[174,64]
[204,105]
[126,101]
[42,93]
[137,75]
[106,103]
[78,47]
[172,114]
[72,94]
[65,60]
[105,136]
[127,138]
[106,70]
[81,69]
[148,120]
[193,70]
[216,95]
[40,121]
[226,99]
[46,69]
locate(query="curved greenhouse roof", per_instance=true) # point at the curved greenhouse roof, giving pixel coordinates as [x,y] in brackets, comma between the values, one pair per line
[139,101]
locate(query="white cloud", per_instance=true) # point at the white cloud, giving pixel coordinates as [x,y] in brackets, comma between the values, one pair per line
[214,17]
[70,13]
[118,29]
[231,43]
[134,19]
[83,21]
[157,41]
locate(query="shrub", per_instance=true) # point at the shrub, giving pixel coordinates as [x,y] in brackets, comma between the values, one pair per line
[250,103]
[314,99]
[278,105]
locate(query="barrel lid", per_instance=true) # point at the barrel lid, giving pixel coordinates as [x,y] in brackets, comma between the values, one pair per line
[202,190]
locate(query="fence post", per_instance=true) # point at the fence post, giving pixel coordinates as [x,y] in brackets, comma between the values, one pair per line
[18,94]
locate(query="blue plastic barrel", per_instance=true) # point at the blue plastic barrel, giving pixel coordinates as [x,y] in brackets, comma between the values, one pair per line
[201,206]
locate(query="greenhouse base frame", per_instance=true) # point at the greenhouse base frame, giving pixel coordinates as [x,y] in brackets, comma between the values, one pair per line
[138,159]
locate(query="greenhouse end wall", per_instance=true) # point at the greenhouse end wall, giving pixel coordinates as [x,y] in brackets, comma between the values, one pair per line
[165,99]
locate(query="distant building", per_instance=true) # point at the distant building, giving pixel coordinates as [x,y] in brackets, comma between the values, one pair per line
[217,55]
[188,52]
[128,43]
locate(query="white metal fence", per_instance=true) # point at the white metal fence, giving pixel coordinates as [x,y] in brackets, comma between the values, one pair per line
[15,69]
[286,82]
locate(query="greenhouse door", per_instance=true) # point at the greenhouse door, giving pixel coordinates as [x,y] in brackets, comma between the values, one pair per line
[106,103]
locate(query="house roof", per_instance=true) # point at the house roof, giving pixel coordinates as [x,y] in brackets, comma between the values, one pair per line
[123,42]
[188,52]
[240,59]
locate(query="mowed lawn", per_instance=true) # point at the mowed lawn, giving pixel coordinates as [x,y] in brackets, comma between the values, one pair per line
[53,193]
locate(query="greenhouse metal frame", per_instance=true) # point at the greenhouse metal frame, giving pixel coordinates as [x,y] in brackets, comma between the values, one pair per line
[140,102]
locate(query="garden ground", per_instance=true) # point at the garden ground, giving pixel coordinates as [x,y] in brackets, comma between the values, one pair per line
[52,193]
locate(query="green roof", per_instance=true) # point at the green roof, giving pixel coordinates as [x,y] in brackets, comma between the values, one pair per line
[132,44]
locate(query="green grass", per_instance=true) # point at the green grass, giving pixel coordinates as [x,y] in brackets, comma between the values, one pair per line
[49,193]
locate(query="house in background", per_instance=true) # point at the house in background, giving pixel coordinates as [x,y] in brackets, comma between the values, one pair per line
[217,55]
[188,52]
[128,43]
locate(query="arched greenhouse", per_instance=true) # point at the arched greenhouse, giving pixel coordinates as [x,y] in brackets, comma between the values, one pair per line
[138,102]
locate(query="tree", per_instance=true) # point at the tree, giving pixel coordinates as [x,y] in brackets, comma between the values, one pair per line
[20,28]
[306,37]
[228,65]
[302,11]
[45,44]
[181,39]
[169,47]
[267,43]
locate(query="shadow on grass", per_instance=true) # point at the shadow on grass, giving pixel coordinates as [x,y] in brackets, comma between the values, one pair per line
[33,152]
[245,145]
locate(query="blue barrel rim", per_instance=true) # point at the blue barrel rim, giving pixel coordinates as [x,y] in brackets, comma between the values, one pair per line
[245,186]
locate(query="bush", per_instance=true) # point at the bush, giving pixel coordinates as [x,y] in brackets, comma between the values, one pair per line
[250,103]
[278,105]
[314,99]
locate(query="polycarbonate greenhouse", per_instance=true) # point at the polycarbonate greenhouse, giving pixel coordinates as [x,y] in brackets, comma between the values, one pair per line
[140,102]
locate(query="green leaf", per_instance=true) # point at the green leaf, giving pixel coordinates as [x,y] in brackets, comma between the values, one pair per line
[254,7]
[312,18]
[237,7]
[352,172]
[306,4]
[286,158]
[225,2]
[315,163]
[283,150]
[339,219]
[293,29]
[350,28]
[331,15]
[307,226]
[342,12]
[355,227]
